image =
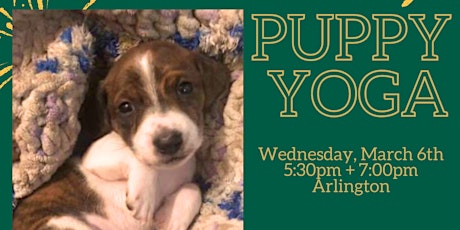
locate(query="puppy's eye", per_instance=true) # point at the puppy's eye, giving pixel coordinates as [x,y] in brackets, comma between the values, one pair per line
[184,88]
[125,108]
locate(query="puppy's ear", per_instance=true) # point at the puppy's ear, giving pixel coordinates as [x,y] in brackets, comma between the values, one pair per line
[92,118]
[102,109]
[216,78]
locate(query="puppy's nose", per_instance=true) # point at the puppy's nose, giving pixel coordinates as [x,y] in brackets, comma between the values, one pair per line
[168,142]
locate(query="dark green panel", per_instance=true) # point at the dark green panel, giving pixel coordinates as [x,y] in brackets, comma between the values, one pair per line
[287,202]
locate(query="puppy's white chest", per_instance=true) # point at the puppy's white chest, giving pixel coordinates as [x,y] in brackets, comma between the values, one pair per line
[171,179]
[113,195]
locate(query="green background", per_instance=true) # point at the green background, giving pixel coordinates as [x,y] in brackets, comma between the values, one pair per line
[429,201]
[273,201]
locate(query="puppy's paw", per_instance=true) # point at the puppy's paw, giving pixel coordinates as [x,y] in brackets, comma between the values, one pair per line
[141,206]
[179,209]
[163,221]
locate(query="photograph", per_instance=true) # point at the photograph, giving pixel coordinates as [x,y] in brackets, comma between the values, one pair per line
[127,119]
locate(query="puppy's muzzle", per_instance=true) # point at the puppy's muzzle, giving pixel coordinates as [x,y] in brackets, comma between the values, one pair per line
[168,142]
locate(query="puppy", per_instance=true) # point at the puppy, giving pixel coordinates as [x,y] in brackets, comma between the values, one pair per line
[139,174]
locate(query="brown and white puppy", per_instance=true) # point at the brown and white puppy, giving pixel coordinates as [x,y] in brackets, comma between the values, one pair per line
[139,175]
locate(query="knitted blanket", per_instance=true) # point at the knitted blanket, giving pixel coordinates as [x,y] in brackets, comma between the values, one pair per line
[53,52]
